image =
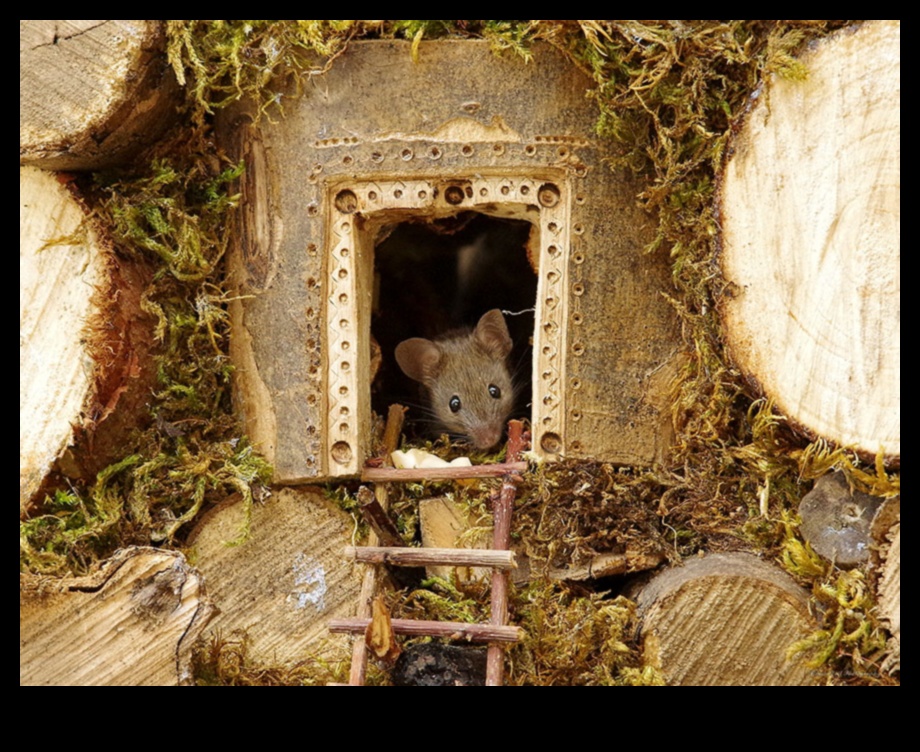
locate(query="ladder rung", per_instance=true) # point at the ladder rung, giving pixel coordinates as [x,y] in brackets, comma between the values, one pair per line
[449,629]
[405,475]
[423,557]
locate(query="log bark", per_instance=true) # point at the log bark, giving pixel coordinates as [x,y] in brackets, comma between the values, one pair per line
[726,619]
[85,346]
[811,241]
[281,585]
[132,622]
[92,92]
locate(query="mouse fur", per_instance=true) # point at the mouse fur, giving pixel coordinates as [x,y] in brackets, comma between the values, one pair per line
[466,378]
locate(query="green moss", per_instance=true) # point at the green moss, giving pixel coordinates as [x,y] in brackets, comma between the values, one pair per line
[852,641]
[575,639]
[173,212]
[221,61]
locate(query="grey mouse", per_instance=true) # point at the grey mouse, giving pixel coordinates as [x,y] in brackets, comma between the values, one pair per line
[465,375]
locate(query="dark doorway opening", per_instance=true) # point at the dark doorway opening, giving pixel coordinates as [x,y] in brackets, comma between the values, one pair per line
[433,276]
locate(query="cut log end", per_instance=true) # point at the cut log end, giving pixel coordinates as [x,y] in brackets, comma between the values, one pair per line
[85,345]
[725,620]
[811,242]
[92,93]
[281,585]
[133,622]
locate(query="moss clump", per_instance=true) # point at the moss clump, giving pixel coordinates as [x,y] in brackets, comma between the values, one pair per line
[571,512]
[220,662]
[177,211]
[173,212]
[220,62]
[851,643]
[573,639]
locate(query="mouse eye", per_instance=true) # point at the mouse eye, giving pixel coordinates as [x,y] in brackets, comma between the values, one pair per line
[454,404]
[494,391]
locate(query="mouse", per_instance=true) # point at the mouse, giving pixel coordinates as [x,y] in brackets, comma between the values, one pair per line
[465,376]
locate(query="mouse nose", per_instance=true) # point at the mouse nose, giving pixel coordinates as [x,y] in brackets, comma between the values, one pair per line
[486,437]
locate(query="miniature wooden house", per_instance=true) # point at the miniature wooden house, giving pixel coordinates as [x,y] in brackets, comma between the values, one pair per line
[379,140]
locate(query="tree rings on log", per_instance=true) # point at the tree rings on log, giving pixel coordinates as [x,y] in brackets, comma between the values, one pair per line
[133,622]
[726,619]
[811,241]
[283,584]
[56,286]
[92,93]
[85,345]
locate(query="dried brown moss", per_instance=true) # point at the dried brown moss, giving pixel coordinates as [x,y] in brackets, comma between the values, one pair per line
[220,662]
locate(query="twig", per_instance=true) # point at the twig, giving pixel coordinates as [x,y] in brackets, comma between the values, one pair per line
[502,506]
[390,474]
[420,557]
[449,629]
[376,516]
[395,419]
[391,434]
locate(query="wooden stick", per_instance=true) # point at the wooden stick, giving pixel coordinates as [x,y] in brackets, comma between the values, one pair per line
[358,672]
[502,506]
[420,557]
[449,629]
[607,565]
[391,434]
[376,516]
[517,440]
[395,418]
[390,474]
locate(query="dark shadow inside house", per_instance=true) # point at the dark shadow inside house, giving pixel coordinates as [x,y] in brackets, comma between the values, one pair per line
[437,277]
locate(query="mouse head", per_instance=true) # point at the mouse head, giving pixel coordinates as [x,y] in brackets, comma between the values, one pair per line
[466,378]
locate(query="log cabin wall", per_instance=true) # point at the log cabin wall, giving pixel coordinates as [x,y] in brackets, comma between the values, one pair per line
[380,139]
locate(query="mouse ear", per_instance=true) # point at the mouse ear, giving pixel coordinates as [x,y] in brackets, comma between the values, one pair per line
[420,359]
[492,334]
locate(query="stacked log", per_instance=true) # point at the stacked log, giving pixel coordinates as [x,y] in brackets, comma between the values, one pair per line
[281,585]
[811,242]
[92,93]
[725,619]
[134,621]
[810,210]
